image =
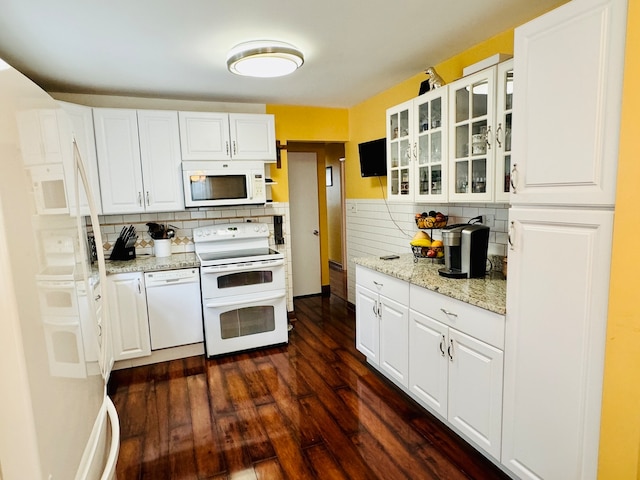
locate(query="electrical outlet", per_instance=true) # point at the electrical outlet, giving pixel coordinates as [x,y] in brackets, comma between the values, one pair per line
[353,208]
[489,220]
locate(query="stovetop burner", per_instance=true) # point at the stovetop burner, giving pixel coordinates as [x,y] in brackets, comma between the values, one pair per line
[252,254]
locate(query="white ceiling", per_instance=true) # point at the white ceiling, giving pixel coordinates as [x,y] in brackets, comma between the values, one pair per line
[353,49]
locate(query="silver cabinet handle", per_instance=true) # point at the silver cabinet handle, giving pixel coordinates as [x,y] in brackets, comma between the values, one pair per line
[235,148]
[510,235]
[226,146]
[375,309]
[316,233]
[415,151]
[442,345]
[380,285]
[498,133]
[513,179]
[448,313]
[450,350]
[148,202]
[97,297]
[486,137]
[139,287]
[140,198]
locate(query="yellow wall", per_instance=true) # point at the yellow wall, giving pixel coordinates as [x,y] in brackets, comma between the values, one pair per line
[620,428]
[304,124]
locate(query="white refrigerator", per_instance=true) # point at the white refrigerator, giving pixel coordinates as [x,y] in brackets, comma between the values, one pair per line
[56,420]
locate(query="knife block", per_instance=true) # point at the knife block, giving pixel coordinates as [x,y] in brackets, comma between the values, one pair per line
[121,252]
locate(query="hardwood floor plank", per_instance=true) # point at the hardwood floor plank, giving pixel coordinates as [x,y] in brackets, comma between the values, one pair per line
[286,445]
[155,456]
[182,462]
[234,447]
[128,466]
[207,451]
[347,455]
[324,464]
[268,470]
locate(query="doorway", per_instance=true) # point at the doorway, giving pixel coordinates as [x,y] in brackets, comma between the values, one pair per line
[305,223]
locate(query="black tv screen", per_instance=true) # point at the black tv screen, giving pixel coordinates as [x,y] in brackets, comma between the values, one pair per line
[373,158]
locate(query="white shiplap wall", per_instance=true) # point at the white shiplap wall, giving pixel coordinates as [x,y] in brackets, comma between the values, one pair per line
[375,228]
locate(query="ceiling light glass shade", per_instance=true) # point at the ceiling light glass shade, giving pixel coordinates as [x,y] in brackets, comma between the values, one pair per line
[264,59]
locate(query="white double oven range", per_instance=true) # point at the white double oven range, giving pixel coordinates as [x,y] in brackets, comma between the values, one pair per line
[243,288]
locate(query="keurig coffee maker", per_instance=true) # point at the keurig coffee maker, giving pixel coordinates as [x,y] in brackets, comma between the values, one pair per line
[465,250]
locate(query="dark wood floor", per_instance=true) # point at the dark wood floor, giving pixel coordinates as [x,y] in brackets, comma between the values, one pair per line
[310,410]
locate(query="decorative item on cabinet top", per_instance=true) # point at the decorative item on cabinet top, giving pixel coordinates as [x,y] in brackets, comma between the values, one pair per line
[434,81]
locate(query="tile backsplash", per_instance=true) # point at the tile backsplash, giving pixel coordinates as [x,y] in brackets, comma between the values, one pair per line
[183,222]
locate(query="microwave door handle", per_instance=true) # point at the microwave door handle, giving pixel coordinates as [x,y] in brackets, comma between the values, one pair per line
[250,189]
[227,303]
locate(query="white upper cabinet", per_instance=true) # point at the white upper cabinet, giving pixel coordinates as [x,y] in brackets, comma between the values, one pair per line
[472,138]
[226,136]
[504,119]
[568,80]
[77,122]
[39,136]
[417,148]
[128,147]
[161,164]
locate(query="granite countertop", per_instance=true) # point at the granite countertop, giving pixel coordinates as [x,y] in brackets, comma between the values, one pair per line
[149,263]
[489,292]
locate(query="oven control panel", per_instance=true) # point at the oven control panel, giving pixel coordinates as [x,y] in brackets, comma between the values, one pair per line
[231,230]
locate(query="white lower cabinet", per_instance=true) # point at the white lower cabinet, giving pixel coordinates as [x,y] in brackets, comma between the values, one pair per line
[446,354]
[382,322]
[128,313]
[457,375]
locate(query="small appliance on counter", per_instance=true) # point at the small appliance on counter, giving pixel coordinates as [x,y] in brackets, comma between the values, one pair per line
[125,247]
[465,250]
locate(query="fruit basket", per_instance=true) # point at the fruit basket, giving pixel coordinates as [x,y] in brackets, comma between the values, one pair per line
[423,246]
[431,220]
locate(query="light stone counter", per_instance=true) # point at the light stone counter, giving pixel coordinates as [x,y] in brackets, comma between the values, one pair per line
[489,292]
[149,263]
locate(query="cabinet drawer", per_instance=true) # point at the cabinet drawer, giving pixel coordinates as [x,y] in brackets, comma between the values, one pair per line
[474,321]
[383,284]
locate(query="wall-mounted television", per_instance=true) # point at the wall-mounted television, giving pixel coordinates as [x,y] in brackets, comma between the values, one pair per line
[373,158]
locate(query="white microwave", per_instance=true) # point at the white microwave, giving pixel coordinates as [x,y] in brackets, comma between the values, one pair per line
[215,183]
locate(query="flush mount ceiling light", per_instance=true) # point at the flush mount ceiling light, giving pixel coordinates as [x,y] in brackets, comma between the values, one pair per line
[264,58]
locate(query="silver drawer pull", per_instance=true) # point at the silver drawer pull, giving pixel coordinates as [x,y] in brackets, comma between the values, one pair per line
[448,313]
[377,284]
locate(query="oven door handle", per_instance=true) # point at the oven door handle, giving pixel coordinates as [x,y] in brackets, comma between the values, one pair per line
[244,300]
[254,266]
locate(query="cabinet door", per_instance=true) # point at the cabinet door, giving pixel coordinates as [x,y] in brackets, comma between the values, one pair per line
[428,361]
[557,299]
[504,117]
[367,323]
[400,149]
[471,145]
[39,136]
[118,150]
[128,315]
[394,338]
[568,112]
[475,390]
[431,137]
[204,136]
[161,163]
[253,137]
[76,122]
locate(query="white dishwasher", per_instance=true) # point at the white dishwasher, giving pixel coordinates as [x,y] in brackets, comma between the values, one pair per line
[175,307]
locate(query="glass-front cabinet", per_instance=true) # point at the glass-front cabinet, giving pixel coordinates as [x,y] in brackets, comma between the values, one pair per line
[399,152]
[504,110]
[417,148]
[472,141]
